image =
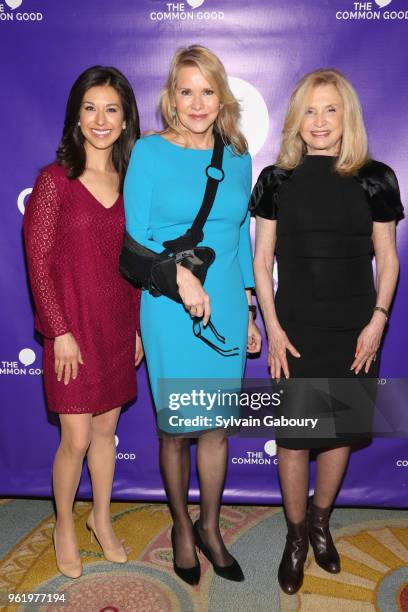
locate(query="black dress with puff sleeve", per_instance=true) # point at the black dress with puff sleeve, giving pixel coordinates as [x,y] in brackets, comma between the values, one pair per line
[326,292]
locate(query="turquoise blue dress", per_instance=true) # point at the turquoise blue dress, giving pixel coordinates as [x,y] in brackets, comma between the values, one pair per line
[163,192]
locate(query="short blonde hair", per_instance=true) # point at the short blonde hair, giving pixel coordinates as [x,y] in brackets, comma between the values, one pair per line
[213,70]
[354,147]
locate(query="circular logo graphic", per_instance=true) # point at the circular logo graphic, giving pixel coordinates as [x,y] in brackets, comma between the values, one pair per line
[254,113]
[21,199]
[116,441]
[27,356]
[383,3]
[13,4]
[270,448]
[195,3]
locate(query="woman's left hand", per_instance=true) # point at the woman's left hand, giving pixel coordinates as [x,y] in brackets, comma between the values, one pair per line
[254,337]
[139,353]
[368,343]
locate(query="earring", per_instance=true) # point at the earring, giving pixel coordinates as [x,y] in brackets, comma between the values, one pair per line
[173,112]
[79,124]
[124,125]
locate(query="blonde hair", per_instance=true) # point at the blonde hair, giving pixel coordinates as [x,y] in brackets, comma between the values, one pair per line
[353,152]
[213,70]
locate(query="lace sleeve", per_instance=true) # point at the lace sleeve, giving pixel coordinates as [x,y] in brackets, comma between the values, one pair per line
[40,236]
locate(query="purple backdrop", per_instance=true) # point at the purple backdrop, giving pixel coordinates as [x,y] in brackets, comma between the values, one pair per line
[266,46]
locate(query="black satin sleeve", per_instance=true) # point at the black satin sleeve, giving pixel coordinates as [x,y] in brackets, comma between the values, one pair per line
[381,185]
[265,194]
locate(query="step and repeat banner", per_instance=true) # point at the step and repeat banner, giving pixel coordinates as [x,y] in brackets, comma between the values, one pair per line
[266,46]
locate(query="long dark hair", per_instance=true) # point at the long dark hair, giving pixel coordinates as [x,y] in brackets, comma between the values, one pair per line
[71,151]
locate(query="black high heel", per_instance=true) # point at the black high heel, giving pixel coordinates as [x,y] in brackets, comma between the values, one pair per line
[229,572]
[191,575]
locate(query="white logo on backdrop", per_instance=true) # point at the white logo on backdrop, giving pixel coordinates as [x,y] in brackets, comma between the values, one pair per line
[26,357]
[368,11]
[270,448]
[254,113]
[195,3]
[17,16]
[123,456]
[21,199]
[13,4]
[179,11]
[265,457]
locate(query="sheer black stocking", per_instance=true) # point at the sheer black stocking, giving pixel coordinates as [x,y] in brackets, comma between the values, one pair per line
[293,468]
[331,464]
[212,454]
[175,470]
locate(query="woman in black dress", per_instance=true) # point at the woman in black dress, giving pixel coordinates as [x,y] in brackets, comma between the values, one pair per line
[324,209]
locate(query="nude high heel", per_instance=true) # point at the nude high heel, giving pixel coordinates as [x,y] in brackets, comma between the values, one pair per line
[70,570]
[115,555]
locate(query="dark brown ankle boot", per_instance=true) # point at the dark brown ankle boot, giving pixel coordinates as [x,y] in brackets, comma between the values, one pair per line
[290,573]
[324,549]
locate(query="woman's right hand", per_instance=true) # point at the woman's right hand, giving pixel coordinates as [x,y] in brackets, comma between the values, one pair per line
[278,344]
[67,357]
[192,294]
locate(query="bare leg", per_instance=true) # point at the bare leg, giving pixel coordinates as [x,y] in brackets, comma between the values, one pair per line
[331,465]
[75,439]
[293,467]
[101,462]
[212,454]
[175,469]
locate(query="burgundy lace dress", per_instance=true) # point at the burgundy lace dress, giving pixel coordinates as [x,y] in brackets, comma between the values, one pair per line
[73,244]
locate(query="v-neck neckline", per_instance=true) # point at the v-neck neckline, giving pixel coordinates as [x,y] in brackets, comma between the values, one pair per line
[96,199]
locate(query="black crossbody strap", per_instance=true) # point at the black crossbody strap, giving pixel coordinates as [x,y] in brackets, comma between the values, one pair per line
[211,188]
[215,175]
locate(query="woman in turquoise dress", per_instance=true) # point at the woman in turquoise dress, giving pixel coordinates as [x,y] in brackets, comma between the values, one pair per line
[164,189]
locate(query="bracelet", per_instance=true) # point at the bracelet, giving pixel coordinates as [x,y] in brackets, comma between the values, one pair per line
[383,310]
[252,308]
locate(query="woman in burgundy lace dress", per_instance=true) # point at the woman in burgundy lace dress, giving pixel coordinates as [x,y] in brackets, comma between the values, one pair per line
[87,313]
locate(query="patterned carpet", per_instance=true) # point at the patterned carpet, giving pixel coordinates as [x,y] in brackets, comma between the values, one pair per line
[373,545]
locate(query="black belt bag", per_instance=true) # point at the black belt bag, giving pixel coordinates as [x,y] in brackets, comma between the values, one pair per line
[157,272]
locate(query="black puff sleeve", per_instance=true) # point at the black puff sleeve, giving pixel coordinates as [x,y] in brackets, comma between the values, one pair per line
[265,194]
[381,185]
